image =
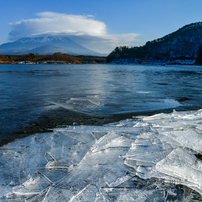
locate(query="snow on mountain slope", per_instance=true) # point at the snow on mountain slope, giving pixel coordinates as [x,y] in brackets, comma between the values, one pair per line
[47,49]
[25,44]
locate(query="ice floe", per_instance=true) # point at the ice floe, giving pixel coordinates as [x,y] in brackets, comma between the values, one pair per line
[146,158]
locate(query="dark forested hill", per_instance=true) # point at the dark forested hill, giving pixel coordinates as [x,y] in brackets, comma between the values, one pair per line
[199,57]
[180,46]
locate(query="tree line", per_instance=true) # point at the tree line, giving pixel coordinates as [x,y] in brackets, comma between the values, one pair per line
[66,58]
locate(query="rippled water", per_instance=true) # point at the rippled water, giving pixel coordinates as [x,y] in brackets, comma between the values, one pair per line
[27,91]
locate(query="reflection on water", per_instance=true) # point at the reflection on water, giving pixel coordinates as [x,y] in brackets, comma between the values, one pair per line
[102,90]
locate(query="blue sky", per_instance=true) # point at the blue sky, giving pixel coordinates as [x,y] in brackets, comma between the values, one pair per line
[100,25]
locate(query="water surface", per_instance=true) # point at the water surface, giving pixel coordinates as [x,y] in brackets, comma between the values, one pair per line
[72,94]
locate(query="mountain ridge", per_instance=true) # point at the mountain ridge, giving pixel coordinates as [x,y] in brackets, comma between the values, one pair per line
[180,46]
[27,44]
[47,49]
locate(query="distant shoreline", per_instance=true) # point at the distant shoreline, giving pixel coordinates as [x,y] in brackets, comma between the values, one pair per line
[56,58]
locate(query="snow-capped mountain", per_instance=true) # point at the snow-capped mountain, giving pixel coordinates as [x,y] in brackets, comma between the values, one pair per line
[47,49]
[181,45]
[42,44]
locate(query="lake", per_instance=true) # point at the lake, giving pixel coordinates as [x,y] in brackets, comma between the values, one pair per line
[100,133]
[34,98]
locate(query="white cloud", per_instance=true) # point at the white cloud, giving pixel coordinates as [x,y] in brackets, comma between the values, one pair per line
[56,22]
[105,43]
[85,30]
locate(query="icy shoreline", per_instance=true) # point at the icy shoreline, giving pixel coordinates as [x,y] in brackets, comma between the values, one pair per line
[132,160]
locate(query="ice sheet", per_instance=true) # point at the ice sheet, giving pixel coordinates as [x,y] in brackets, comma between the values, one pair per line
[140,159]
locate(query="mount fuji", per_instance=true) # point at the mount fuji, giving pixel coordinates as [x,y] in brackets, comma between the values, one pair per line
[45,45]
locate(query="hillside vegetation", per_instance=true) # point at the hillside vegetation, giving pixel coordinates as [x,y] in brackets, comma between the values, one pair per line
[55,58]
[180,46]
[199,57]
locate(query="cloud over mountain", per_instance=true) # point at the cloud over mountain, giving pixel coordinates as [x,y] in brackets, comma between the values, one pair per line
[83,29]
[50,23]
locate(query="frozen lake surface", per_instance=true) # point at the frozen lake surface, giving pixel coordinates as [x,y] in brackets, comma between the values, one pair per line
[150,158]
[34,98]
[143,158]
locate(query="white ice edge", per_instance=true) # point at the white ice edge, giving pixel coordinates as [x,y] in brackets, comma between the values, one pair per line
[96,162]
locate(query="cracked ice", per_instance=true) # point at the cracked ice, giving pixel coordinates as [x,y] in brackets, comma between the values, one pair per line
[138,159]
